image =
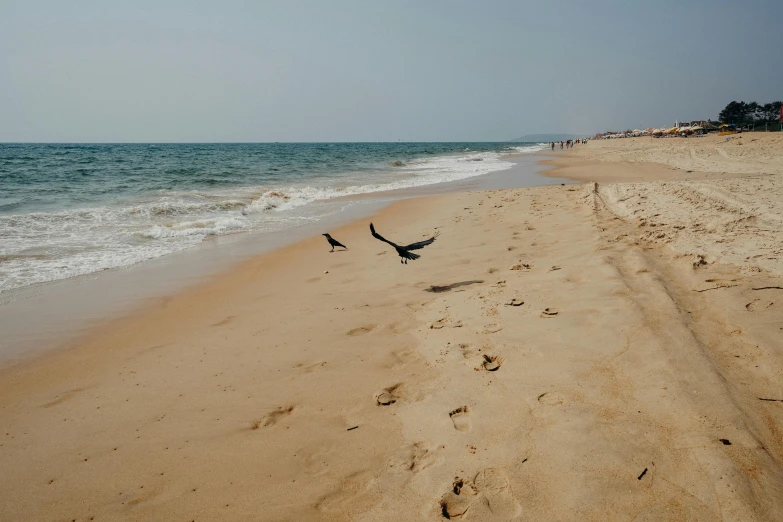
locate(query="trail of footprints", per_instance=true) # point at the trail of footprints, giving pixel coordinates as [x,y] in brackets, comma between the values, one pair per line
[488,494]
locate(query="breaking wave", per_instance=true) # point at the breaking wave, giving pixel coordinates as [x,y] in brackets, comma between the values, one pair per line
[37,247]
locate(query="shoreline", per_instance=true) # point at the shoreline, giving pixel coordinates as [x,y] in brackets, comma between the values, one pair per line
[92,299]
[597,330]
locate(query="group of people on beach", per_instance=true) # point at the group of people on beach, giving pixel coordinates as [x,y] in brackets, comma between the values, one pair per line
[568,144]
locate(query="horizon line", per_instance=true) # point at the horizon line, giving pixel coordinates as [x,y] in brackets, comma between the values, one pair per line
[515,140]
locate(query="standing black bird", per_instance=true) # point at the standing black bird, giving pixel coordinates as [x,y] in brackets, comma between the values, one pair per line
[404,251]
[332,241]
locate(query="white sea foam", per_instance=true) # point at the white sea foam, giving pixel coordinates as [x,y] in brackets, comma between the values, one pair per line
[48,246]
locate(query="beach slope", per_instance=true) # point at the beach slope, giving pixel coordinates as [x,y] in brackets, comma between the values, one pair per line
[605,350]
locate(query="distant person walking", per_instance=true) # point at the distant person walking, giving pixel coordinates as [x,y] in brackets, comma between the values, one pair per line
[553,145]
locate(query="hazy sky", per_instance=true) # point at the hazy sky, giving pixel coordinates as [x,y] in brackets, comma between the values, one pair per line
[367,70]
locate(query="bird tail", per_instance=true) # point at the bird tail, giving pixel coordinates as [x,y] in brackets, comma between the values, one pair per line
[410,255]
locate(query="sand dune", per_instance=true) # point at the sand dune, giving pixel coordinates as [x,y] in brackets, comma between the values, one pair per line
[551,357]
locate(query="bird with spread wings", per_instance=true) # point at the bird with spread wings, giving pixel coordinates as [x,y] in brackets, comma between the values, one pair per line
[404,251]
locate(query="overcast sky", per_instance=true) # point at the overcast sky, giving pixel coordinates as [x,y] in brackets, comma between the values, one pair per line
[387,70]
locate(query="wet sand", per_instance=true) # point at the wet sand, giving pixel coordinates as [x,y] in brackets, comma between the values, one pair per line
[603,350]
[49,316]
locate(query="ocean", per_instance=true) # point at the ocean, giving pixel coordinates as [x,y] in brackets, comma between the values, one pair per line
[73,209]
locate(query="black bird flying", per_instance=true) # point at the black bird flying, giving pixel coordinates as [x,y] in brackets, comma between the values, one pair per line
[332,241]
[404,251]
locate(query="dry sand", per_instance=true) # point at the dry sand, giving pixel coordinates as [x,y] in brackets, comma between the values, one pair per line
[583,352]
[709,157]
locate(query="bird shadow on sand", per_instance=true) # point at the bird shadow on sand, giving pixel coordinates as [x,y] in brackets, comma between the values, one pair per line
[448,288]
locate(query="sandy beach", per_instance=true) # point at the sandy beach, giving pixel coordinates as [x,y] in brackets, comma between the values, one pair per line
[609,350]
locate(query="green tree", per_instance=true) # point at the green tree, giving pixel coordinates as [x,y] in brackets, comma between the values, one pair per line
[752,112]
[732,113]
[776,110]
[767,112]
[739,112]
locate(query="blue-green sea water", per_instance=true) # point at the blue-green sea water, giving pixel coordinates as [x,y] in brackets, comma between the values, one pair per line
[73,209]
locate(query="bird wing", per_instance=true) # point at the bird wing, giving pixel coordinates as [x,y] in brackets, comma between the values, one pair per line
[378,236]
[421,244]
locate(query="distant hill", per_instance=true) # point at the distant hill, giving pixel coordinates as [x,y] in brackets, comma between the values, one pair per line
[538,138]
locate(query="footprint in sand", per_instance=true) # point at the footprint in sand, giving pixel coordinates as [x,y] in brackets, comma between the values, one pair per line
[403,357]
[417,305]
[456,502]
[549,313]
[385,398]
[361,330]
[272,418]
[758,304]
[355,491]
[445,322]
[522,266]
[461,418]
[388,396]
[553,268]
[400,392]
[492,363]
[492,328]
[488,496]
[551,398]
[467,350]
[414,457]
[515,302]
